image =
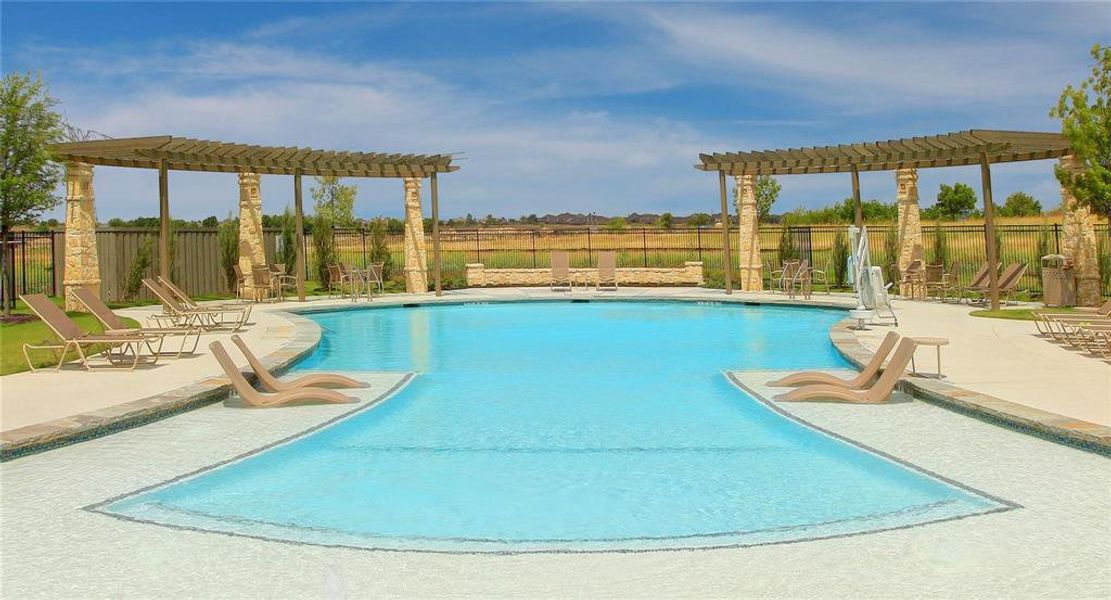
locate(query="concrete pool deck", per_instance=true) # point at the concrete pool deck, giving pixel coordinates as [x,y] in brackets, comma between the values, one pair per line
[1001,358]
[1056,545]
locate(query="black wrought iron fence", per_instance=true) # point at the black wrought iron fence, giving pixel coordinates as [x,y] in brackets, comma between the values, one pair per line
[32,256]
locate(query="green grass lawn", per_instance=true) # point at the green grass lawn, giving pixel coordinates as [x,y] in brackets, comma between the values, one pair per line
[1017,314]
[14,335]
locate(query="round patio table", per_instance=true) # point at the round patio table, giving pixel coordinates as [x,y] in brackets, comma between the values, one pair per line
[936,342]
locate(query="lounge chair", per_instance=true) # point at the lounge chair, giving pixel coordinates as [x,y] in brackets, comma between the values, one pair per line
[859,382]
[606,276]
[72,336]
[977,282]
[879,392]
[1050,322]
[561,271]
[206,318]
[273,384]
[113,324]
[188,302]
[253,397]
[1008,282]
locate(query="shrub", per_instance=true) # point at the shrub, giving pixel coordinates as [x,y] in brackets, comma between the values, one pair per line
[227,237]
[379,250]
[288,239]
[941,247]
[139,269]
[324,247]
[840,258]
[1104,254]
[891,255]
[787,248]
[1042,250]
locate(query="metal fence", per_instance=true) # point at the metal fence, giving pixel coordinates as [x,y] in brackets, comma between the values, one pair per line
[39,257]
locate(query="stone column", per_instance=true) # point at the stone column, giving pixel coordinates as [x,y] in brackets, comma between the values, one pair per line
[251,249]
[1079,242]
[82,263]
[416,257]
[749,261]
[910,225]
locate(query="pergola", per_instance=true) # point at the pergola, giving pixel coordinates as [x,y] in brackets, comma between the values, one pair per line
[166,153]
[976,146]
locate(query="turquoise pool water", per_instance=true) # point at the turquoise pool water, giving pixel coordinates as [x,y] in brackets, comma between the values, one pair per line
[560,426]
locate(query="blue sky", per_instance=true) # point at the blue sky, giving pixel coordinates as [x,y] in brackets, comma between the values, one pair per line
[556,106]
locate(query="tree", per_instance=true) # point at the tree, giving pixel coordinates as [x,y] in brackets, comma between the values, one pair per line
[227,238]
[288,251]
[324,248]
[211,221]
[616,224]
[699,220]
[840,258]
[140,268]
[28,177]
[666,220]
[955,202]
[379,248]
[334,200]
[1020,204]
[767,190]
[1086,122]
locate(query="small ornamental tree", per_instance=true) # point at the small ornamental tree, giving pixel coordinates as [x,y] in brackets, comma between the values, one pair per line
[334,200]
[28,177]
[767,191]
[227,238]
[324,247]
[1085,114]
[840,258]
[289,242]
[379,248]
[1020,204]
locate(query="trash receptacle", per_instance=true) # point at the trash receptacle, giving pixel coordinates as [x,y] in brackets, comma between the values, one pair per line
[1058,281]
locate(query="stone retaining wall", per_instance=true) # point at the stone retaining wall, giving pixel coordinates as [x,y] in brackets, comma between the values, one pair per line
[479,275]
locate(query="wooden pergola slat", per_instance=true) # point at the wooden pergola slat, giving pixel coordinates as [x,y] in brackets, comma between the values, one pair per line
[972,147]
[167,153]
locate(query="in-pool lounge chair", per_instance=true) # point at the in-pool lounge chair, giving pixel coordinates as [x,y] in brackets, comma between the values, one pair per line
[206,318]
[113,324]
[253,397]
[607,271]
[115,347]
[859,382]
[561,271]
[273,384]
[878,393]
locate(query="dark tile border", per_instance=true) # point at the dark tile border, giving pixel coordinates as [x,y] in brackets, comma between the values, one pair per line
[112,419]
[1025,419]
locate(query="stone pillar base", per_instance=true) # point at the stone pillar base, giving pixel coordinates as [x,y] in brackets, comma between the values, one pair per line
[1089,291]
[72,304]
[752,279]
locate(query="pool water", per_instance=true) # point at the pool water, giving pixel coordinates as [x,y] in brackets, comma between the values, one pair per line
[562,426]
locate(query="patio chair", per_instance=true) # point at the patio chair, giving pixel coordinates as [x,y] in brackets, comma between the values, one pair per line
[561,271]
[786,276]
[335,281]
[189,302]
[73,337]
[282,280]
[113,324]
[262,284]
[242,281]
[273,384]
[205,318]
[356,279]
[253,397]
[819,276]
[936,280]
[866,374]
[912,279]
[606,276]
[376,275]
[878,393]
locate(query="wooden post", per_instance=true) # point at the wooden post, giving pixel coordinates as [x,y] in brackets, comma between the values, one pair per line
[989,229]
[163,220]
[436,233]
[858,210]
[727,254]
[299,225]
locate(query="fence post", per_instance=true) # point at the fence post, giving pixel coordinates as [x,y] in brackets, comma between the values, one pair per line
[53,276]
[534,248]
[362,233]
[1056,239]
[699,230]
[644,243]
[589,250]
[477,246]
[23,258]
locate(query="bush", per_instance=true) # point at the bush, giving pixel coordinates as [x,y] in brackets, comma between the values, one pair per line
[324,247]
[941,247]
[840,258]
[227,238]
[139,269]
[379,250]
[891,255]
[787,248]
[288,239]
[1043,249]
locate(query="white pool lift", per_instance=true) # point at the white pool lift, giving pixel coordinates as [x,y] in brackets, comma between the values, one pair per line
[871,291]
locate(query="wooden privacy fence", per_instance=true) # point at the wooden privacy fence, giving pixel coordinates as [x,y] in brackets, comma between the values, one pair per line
[39,257]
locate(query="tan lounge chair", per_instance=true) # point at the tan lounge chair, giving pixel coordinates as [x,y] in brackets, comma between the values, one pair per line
[113,324]
[561,271]
[977,283]
[607,271]
[878,393]
[273,384]
[1052,323]
[206,318]
[119,345]
[253,397]
[190,303]
[866,375]
[1007,279]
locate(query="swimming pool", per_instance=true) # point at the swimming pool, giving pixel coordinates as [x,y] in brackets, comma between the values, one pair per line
[562,427]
